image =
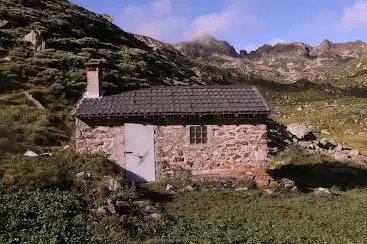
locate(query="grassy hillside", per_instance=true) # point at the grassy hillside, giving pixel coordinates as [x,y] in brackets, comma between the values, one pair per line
[55,76]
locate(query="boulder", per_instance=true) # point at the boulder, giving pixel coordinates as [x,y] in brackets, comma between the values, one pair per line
[321,190]
[111,206]
[301,132]
[83,175]
[286,183]
[30,153]
[122,204]
[142,203]
[188,189]
[170,187]
[80,174]
[3,23]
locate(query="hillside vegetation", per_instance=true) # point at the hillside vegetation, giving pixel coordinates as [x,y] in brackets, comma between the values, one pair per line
[55,76]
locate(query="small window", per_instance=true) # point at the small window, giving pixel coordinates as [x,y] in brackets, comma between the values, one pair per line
[198,134]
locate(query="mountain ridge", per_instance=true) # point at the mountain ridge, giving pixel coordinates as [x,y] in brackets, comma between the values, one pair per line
[340,64]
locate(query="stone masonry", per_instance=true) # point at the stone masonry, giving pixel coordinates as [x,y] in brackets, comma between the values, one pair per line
[108,140]
[238,148]
[229,147]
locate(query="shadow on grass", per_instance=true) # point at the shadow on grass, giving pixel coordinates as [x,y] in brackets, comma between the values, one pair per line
[326,174]
[153,195]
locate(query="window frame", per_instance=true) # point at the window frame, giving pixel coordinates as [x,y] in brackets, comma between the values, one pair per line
[198,135]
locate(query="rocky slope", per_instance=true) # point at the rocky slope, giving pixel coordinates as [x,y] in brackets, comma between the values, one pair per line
[339,64]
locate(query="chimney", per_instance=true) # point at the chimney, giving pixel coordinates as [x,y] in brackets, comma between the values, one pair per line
[94,79]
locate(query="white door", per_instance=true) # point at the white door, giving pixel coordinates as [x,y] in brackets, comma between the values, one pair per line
[139,152]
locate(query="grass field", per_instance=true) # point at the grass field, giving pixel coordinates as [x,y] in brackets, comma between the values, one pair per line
[44,202]
[221,216]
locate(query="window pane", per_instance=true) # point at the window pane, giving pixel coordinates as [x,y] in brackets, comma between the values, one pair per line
[205,140]
[192,140]
[198,134]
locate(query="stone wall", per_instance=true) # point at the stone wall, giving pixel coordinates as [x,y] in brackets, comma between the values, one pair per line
[229,147]
[108,140]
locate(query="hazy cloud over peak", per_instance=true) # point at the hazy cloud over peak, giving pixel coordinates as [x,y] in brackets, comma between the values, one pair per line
[161,20]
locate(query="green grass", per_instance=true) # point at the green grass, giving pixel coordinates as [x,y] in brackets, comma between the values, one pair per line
[44,202]
[231,217]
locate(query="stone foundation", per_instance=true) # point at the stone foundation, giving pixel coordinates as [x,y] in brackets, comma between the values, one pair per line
[108,140]
[236,147]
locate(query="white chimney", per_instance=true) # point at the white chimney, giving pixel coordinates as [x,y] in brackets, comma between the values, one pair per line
[94,79]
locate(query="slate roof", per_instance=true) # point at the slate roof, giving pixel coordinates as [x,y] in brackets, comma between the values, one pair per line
[176,101]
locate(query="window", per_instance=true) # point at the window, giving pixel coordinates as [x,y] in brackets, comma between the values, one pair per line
[198,134]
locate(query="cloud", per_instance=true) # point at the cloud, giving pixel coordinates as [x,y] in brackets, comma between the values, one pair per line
[162,7]
[163,20]
[355,16]
[203,25]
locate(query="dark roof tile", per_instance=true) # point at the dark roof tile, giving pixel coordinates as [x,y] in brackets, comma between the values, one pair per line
[160,101]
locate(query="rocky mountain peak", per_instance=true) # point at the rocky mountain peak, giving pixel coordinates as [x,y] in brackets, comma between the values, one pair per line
[283,50]
[205,46]
[328,49]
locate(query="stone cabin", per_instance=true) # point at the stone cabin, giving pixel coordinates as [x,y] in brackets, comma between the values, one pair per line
[151,131]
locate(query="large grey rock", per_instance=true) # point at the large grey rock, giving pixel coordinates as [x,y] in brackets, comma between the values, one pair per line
[286,183]
[122,204]
[301,132]
[142,203]
[170,187]
[3,23]
[30,153]
[111,206]
[80,174]
[321,190]
[188,189]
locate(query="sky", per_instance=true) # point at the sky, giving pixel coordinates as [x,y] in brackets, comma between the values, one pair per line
[245,24]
